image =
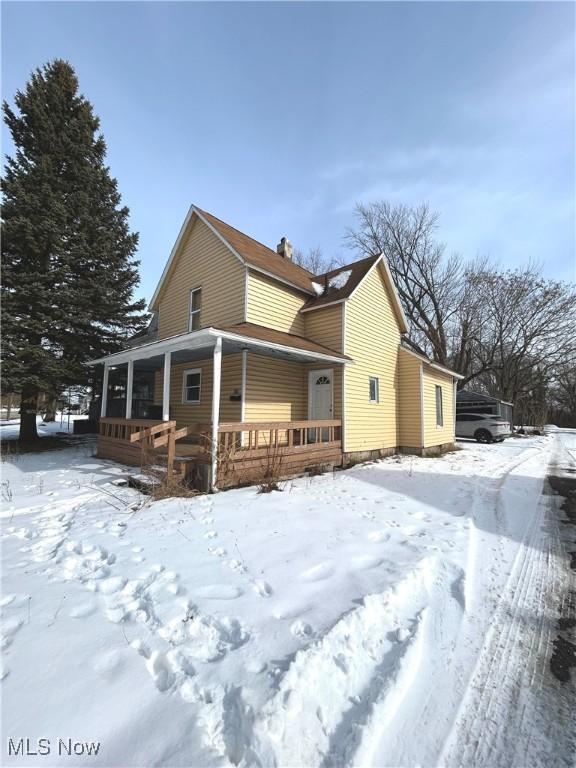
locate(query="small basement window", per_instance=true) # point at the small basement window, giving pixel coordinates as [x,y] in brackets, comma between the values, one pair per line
[439,412]
[374,390]
[192,386]
[195,306]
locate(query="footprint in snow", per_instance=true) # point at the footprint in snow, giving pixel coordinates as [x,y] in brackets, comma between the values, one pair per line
[378,536]
[302,629]
[365,562]
[210,535]
[218,592]
[318,572]
[217,551]
[83,610]
[262,588]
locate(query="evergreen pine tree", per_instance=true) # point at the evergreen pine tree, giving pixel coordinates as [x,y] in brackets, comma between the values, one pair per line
[69,270]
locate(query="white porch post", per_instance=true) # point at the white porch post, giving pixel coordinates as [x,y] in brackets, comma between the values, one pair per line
[104,400]
[166,387]
[216,377]
[129,388]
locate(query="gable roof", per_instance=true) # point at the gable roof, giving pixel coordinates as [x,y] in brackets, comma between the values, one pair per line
[263,259]
[341,290]
[247,250]
[259,256]
[336,290]
[471,396]
[431,363]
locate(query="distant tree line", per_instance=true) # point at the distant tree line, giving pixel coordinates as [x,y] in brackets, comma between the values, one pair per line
[510,332]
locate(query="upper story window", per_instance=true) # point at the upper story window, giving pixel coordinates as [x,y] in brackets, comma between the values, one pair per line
[195,307]
[374,390]
[439,413]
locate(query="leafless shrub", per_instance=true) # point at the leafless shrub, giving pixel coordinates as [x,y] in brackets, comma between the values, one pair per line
[269,474]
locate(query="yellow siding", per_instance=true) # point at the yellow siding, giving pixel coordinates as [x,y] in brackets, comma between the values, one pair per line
[324,326]
[372,339]
[274,305]
[275,390]
[203,262]
[434,435]
[409,420]
[186,413]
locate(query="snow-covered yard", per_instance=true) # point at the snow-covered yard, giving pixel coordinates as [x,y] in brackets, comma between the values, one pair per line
[343,621]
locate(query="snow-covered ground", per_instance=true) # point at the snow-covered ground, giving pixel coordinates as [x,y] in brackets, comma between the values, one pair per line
[359,618]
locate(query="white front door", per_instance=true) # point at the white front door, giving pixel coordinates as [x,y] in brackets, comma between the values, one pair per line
[320,395]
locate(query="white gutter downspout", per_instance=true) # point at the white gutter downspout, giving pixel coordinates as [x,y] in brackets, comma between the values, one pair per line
[422,405]
[129,388]
[166,387]
[455,396]
[104,401]
[216,379]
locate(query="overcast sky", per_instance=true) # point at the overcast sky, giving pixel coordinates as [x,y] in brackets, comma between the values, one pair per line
[279,117]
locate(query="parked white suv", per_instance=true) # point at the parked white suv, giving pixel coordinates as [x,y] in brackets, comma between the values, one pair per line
[484,427]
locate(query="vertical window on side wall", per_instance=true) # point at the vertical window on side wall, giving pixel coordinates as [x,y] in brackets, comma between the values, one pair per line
[192,385]
[439,413]
[374,390]
[195,306]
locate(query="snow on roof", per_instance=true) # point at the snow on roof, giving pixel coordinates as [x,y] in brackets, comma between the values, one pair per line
[318,288]
[339,280]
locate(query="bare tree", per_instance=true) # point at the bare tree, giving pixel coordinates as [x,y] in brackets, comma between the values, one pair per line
[314,261]
[432,286]
[528,332]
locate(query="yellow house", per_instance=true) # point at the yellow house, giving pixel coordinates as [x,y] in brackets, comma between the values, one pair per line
[258,361]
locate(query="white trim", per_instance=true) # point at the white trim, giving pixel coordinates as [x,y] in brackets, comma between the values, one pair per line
[320,372]
[205,338]
[194,210]
[216,381]
[171,258]
[377,380]
[243,390]
[273,276]
[455,385]
[246,281]
[343,428]
[186,373]
[249,340]
[422,404]
[104,400]
[395,293]
[194,311]
[432,364]
[166,387]
[321,306]
[129,388]
[436,388]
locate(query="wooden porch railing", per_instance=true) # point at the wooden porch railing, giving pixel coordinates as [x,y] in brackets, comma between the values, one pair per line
[261,436]
[245,450]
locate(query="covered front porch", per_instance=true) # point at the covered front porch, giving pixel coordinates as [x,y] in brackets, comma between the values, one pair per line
[233,406]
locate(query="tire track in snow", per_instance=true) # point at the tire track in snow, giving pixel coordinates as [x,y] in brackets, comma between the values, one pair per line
[354,679]
[505,717]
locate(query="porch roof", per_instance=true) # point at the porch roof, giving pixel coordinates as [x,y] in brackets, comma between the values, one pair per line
[235,338]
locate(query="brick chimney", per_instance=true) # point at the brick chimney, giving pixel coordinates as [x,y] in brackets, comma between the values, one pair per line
[285,249]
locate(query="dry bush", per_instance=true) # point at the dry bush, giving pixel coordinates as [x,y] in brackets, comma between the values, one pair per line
[270,472]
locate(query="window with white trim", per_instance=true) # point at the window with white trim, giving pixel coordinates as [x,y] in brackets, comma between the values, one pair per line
[439,410]
[195,306]
[374,389]
[192,386]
